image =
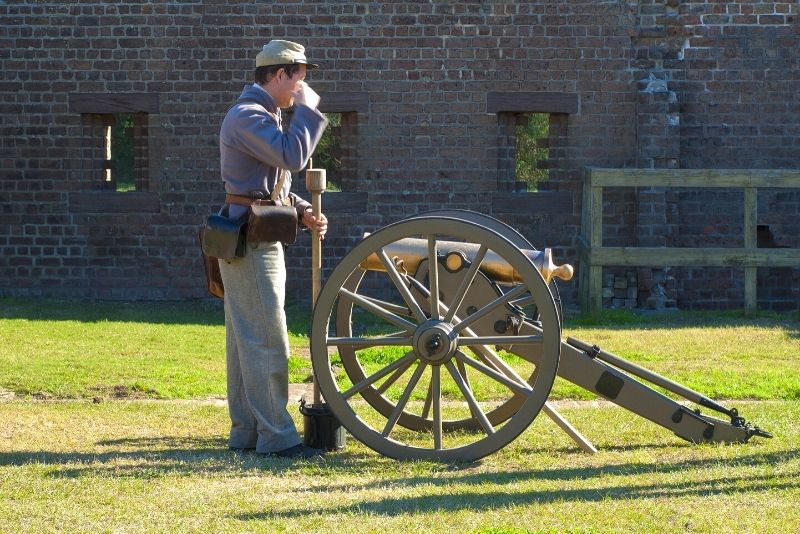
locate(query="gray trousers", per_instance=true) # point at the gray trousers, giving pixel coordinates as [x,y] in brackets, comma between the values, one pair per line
[257,347]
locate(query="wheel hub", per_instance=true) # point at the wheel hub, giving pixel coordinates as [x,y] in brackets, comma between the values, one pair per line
[435,342]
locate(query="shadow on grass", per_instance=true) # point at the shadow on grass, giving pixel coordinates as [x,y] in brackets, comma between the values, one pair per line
[434,501]
[170,455]
[616,448]
[794,333]
[202,312]
[205,312]
[494,500]
[575,473]
[633,320]
[150,458]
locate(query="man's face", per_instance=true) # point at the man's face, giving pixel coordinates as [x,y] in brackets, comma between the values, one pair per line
[286,86]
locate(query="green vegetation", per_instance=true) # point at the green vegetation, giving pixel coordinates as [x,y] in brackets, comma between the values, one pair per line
[328,154]
[122,153]
[530,151]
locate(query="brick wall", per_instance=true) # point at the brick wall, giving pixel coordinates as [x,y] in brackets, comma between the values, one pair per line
[734,69]
[656,84]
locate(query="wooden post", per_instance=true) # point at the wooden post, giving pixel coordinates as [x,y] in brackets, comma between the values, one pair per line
[315,184]
[750,243]
[595,238]
[570,430]
[585,243]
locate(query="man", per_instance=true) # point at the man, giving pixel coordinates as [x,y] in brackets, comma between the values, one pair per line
[256,155]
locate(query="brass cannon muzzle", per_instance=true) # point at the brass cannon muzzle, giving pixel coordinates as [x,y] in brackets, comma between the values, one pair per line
[456,255]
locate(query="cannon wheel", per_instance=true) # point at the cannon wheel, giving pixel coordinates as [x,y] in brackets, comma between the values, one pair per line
[373,395]
[433,344]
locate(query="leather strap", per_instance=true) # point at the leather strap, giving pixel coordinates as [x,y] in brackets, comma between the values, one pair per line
[241,200]
[276,191]
[247,200]
[244,200]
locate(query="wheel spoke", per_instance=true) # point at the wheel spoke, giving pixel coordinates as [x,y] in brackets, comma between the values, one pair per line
[378,310]
[394,308]
[426,407]
[401,287]
[366,342]
[470,398]
[487,309]
[463,371]
[513,385]
[499,340]
[436,393]
[425,292]
[392,379]
[499,363]
[433,276]
[470,334]
[488,362]
[465,283]
[401,403]
[403,362]
[524,301]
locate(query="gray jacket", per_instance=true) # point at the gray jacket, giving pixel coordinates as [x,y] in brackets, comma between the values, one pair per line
[254,150]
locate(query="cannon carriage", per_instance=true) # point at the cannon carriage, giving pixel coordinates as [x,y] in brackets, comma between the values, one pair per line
[439,337]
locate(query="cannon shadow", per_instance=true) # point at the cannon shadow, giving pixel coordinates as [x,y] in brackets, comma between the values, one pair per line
[507,495]
[170,455]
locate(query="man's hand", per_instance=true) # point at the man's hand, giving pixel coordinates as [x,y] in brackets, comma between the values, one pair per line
[306,95]
[312,223]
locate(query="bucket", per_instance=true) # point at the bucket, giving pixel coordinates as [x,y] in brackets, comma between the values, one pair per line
[321,429]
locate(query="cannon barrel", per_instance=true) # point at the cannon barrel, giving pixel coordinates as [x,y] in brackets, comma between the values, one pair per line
[411,251]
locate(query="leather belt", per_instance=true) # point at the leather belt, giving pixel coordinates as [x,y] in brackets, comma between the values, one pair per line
[246,200]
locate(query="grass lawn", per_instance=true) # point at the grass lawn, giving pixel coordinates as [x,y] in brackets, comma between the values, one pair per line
[114,420]
[137,466]
[173,350]
[177,350]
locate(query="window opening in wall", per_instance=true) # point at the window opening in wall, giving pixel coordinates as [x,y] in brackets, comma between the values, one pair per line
[120,153]
[118,144]
[532,149]
[336,151]
[328,154]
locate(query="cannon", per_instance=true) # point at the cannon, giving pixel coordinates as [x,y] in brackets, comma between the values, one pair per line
[439,337]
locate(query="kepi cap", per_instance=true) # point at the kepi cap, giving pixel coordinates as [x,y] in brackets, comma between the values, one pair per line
[278,52]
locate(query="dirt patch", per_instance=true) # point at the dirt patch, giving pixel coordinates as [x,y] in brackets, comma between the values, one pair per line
[122,392]
[6,395]
[302,352]
[297,391]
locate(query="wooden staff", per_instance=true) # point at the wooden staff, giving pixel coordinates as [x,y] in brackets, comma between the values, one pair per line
[315,184]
